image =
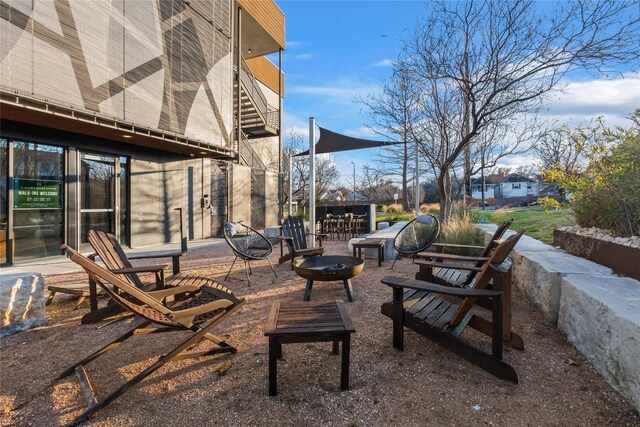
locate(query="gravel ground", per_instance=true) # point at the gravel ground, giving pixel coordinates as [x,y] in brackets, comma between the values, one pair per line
[424,385]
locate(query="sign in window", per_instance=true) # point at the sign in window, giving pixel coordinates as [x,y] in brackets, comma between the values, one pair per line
[36,194]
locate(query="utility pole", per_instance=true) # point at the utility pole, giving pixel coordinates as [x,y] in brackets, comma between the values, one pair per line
[354,182]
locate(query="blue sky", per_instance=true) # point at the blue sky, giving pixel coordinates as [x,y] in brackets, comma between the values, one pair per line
[335,53]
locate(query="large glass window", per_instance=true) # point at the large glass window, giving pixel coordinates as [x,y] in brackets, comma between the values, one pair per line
[37,202]
[4,194]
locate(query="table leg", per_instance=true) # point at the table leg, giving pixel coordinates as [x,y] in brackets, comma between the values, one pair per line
[354,251]
[380,256]
[176,264]
[279,350]
[307,291]
[344,370]
[336,347]
[360,252]
[273,366]
[349,289]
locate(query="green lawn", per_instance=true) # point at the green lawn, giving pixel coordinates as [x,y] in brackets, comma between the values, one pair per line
[536,222]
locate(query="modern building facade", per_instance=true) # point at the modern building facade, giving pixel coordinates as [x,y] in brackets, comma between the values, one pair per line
[124,115]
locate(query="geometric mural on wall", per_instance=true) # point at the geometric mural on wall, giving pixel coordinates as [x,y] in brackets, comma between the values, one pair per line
[163,64]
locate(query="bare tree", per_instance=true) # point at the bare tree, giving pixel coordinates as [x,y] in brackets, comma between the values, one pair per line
[392,112]
[488,62]
[558,150]
[327,173]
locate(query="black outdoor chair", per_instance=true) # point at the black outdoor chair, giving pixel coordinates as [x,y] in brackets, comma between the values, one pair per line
[416,236]
[248,244]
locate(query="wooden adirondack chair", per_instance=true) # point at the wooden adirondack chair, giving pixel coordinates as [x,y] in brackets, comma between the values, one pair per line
[107,247]
[454,276]
[201,306]
[420,306]
[295,236]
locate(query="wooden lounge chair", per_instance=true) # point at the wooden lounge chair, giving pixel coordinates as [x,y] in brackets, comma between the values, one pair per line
[421,307]
[454,276]
[247,244]
[107,247]
[295,236]
[201,306]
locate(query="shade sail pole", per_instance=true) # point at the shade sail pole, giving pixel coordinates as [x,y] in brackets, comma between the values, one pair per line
[290,195]
[312,180]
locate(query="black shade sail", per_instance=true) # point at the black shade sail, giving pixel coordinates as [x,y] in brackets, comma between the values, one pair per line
[331,142]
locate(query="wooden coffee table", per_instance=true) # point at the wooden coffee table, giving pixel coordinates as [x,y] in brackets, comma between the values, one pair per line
[370,243]
[299,322]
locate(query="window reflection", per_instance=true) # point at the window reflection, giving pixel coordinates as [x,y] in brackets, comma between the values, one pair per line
[38,215]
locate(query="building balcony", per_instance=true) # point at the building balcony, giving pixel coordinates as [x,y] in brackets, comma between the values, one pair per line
[261,27]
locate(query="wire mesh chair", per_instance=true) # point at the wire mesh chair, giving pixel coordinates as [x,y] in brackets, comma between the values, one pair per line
[247,244]
[416,236]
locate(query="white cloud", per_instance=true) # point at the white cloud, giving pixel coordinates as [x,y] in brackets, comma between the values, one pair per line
[384,63]
[293,44]
[303,56]
[589,99]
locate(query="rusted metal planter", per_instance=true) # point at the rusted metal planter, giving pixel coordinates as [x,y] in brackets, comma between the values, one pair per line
[622,259]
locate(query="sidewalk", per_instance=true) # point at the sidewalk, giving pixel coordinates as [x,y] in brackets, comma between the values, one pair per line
[62,265]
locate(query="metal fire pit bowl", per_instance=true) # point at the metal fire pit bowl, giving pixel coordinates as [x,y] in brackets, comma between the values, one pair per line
[328,268]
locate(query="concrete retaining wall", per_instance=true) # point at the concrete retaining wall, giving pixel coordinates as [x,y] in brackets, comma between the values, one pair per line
[601,316]
[597,310]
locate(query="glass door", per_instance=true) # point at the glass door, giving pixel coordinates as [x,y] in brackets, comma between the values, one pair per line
[103,199]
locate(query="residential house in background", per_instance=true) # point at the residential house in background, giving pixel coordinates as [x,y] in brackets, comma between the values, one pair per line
[511,186]
[116,113]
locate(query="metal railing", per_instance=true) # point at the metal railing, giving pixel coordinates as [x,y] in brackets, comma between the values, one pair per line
[248,155]
[269,114]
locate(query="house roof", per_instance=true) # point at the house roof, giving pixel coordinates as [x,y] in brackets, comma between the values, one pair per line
[516,177]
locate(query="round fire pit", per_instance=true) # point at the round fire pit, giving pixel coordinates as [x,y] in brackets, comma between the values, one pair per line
[328,268]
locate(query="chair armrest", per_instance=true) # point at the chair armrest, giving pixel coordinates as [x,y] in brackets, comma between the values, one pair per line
[454,245]
[141,269]
[189,313]
[398,282]
[451,257]
[162,255]
[452,266]
[285,238]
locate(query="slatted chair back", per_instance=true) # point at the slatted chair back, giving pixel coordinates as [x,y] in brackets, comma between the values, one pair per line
[247,243]
[486,252]
[497,257]
[138,302]
[110,252]
[495,239]
[293,227]
[417,235]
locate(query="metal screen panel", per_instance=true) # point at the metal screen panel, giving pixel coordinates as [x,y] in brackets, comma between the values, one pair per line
[258,200]
[219,197]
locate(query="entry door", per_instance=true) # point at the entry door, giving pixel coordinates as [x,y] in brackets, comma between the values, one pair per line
[99,196]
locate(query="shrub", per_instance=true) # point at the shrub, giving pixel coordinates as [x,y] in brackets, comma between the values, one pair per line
[431,208]
[549,203]
[607,194]
[460,230]
[395,208]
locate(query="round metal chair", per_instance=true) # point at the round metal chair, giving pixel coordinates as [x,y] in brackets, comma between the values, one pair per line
[247,244]
[416,236]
